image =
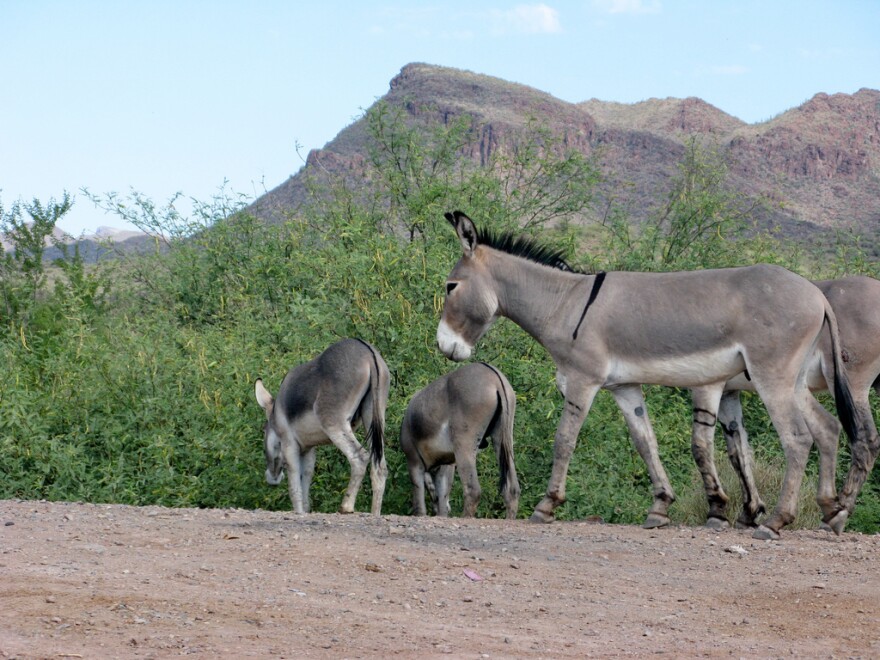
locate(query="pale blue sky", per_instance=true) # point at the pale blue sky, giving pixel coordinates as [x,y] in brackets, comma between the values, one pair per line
[178,96]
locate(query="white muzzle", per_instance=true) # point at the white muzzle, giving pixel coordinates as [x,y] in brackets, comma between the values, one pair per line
[452,344]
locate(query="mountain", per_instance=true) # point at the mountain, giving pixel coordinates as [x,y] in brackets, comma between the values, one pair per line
[91,246]
[819,162]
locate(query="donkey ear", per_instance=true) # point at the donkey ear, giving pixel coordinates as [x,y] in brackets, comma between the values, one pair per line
[263,397]
[467,232]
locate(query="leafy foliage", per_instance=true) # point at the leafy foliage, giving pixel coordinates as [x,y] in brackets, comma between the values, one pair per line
[142,392]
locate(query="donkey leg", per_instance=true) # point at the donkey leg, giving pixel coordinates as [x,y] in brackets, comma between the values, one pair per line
[705,402]
[446,475]
[419,477]
[291,452]
[378,477]
[631,402]
[510,491]
[343,438]
[826,430]
[796,438]
[739,451]
[440,487]
[306,472]
[577,405]
[466,462]
[863,454]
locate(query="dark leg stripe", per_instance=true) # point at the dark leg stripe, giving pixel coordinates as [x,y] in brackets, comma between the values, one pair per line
[698,412]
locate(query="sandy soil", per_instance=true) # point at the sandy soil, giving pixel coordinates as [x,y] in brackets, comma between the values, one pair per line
[97,581]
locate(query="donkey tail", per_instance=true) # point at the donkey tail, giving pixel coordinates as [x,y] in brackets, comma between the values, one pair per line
[376,428]
[502,434]
[849,414]
[852,417]
[376,432]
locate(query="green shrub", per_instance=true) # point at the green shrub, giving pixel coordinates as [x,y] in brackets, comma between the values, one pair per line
[142,392]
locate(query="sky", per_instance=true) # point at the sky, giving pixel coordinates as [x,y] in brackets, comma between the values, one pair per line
[192,97]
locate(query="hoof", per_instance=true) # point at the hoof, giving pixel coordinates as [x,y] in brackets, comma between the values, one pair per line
[838,522]
[539,516]
[745,524]
[765,534]
[346,511]
[717,523]
[655,520]
[825,527]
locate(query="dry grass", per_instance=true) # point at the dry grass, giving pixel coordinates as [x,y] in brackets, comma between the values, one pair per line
[691,507]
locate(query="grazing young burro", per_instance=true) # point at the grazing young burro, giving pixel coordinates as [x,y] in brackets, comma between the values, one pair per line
[444,426]
[322,402]
[694,329]
[856,304]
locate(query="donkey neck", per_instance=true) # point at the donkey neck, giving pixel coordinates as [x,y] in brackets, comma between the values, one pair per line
[538,298]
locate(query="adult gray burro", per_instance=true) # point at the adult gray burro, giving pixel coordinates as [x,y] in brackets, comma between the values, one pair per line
[692,329]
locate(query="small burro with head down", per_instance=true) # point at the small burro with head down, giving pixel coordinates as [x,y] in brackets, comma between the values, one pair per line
[444,426]
[321,402]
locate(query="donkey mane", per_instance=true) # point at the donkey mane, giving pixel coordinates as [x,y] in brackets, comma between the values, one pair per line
[525,247]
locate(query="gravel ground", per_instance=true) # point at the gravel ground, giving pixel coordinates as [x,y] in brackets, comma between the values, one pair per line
[98,581]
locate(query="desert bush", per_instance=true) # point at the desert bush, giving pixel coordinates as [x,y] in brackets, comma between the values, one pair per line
[142,392]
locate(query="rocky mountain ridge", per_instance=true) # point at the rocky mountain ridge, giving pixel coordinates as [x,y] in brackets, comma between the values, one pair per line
[820,160]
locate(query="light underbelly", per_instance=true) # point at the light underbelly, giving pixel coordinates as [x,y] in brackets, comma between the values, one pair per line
[679,371]
[308,431]
[814,378]
[438,449]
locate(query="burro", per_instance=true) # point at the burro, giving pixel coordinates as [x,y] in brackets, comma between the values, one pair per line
[690,329]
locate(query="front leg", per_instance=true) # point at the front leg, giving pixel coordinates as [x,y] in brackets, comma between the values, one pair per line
[631,402]
[291,451]
[577,404]
[306,472]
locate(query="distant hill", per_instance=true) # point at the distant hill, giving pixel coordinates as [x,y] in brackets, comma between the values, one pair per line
[92,246]
[820,161]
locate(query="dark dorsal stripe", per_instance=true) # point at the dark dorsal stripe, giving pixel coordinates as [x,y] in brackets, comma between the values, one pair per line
[597,284]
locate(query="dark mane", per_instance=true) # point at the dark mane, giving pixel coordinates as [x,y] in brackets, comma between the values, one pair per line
[525,247]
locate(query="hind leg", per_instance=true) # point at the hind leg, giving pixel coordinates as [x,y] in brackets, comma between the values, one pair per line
[466,462]
[358,458]
[739,451]
[510,490]
[863,454]
[796,439]
[826,431]
[378,477]
[439,483]
[631,402]
[705,403]
[418,476]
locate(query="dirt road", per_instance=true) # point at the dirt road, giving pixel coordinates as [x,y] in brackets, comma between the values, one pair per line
[97,581]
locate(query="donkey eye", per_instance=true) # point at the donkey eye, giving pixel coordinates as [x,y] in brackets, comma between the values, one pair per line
[450,286]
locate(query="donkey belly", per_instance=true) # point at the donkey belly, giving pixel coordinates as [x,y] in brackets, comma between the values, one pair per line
[308,431]
[679,371]
[437,449]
